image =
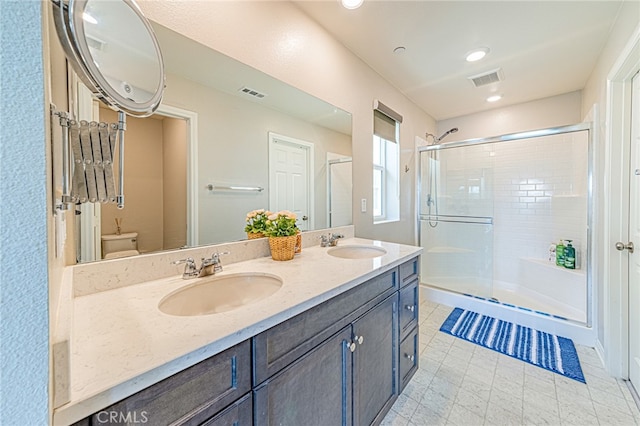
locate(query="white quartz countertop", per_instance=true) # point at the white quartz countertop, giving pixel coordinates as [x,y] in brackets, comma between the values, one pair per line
[121,343]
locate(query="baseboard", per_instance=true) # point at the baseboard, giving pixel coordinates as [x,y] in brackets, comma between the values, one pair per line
[601,353]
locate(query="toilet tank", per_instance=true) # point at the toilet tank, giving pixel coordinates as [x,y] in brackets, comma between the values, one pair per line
[113,243]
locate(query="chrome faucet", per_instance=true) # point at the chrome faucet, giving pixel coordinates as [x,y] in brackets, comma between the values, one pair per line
[330,240]
[216,262]
[209,266]
[190,269]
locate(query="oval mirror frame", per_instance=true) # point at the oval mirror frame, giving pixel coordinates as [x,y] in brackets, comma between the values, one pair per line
[70,26]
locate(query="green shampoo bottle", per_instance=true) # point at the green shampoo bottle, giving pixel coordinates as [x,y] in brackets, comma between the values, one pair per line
[560,254]
[569,256]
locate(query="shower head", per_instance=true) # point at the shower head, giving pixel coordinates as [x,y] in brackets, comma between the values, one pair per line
[447,133]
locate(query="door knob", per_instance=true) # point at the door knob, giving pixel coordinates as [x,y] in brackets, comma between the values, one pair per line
[622,246]
[305,217]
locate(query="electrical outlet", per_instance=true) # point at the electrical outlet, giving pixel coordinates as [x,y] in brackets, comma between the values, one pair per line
[363,205]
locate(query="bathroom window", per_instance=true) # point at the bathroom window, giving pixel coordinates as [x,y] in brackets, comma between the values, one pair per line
[386,166]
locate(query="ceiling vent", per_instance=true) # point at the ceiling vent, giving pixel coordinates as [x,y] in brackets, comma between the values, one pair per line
[488,77]
[252,92]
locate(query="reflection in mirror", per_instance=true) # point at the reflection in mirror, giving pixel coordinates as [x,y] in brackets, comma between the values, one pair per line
[214,128]
[112,48]
[131,69]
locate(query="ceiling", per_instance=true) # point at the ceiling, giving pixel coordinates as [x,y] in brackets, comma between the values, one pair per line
[544,48]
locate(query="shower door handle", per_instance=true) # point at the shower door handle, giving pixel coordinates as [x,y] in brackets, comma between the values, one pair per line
[622,246]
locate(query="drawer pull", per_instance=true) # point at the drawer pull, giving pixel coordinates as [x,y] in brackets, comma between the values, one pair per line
[409,357]
[410,308]
[352,347]
[359,339]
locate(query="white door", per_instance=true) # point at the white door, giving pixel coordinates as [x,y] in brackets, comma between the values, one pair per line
[634,236]
[290,168]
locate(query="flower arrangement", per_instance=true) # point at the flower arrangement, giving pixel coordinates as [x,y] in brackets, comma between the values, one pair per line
[257,221]
[281,224]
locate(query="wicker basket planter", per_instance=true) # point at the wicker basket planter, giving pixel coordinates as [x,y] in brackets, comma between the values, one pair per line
[299,242]
[283,248]
[254,235]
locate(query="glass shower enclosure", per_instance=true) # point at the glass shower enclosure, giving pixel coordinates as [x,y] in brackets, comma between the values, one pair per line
[491,211]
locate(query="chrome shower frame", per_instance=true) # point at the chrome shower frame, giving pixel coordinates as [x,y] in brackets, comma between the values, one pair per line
[519,136]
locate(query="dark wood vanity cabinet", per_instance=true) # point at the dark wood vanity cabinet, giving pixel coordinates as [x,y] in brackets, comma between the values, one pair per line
[350,379]
[343,362]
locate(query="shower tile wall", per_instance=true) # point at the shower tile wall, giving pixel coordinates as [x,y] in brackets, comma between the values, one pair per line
[536,192]
[540,197]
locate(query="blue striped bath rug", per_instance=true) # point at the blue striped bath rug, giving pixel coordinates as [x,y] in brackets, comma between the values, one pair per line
[553,353]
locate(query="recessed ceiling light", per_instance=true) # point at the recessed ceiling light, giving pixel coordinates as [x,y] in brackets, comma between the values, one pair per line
[399,49]
[352,4]
[477,54]
[494,98]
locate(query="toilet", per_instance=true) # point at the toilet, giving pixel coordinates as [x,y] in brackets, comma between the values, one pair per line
[115,246]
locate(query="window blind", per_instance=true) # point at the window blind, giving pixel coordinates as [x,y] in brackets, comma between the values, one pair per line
[385,122]
[384,126]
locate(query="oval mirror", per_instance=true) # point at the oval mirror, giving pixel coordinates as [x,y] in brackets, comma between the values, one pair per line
[114,50]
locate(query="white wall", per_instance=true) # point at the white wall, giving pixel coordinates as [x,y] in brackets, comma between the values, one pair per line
[539,114]
[607,179]
[280,40]
[24,349]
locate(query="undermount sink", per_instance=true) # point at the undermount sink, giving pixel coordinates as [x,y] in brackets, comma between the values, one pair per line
[357,251]
[220,294]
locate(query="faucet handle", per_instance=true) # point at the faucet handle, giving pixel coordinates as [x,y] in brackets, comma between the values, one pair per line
[215,258]
[190,269]
[333,239]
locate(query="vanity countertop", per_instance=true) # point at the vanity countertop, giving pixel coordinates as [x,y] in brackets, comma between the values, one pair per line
[120,342]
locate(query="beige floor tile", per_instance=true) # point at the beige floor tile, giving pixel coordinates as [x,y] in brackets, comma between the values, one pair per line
[462,416]
[460,383]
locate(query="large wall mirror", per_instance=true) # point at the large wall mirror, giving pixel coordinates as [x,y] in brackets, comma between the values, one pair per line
[227,139]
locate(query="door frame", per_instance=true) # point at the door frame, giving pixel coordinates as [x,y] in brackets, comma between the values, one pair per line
[615,300]
[191,117]
[307,146]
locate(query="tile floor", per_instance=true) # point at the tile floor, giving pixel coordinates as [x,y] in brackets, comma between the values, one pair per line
[460,383]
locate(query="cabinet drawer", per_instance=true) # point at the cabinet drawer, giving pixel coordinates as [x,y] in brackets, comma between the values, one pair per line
[409,271]
[279,346]
[188,397]
[409,308]
[408,357]
[238,414]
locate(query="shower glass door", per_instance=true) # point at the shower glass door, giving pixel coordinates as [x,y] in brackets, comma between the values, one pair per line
[456,219]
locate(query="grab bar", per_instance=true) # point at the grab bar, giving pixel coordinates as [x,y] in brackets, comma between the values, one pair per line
[479,220]
[212,187]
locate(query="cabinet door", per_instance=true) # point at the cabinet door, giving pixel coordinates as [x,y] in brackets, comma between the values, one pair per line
[375,359]
[315,390]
